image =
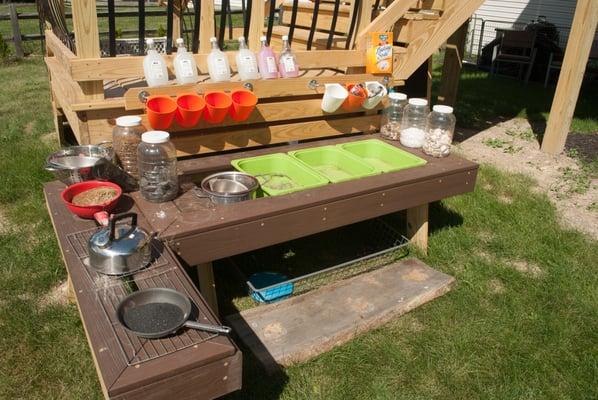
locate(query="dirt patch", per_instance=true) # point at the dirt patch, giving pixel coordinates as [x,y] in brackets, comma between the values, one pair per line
[49,138]
[29,127]
[5,226]
[511,146]
[503,198]
[57,296]
[526,268]
[495,286]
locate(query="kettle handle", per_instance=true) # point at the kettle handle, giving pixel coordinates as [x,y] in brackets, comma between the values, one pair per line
[119,217]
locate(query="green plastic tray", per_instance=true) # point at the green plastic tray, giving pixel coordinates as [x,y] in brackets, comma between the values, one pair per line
[279,174]
[382,156]
[333,163]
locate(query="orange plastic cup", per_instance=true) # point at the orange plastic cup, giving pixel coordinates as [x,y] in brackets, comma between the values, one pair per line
[190,108]
[160,111]
[354,102]
[217,106]
[244,102]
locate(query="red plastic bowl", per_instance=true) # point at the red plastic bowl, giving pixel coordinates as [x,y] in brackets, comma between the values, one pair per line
[88,211]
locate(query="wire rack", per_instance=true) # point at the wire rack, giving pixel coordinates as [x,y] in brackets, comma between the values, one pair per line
[373,244]
[111,290]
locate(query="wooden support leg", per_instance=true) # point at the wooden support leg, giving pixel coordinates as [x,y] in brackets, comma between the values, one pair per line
[417,226]
[207,287]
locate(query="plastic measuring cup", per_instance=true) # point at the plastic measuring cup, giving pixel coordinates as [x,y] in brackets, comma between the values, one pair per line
[217,106]
[375,92]
[334,95]
[244,102]
[353,102]
[160,111]
[190,109]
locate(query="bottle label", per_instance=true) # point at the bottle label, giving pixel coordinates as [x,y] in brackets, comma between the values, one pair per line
[156,69]
[221,67]
[289,64]
[186,68]
[249,63]
[271,64]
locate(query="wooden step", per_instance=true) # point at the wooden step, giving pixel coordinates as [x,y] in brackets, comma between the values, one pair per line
[325,14]
[302,327]
[300,37]
[406,30]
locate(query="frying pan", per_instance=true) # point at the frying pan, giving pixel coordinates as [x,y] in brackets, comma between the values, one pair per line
[168,296]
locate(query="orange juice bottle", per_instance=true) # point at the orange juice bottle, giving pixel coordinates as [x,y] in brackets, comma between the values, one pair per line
[379,53]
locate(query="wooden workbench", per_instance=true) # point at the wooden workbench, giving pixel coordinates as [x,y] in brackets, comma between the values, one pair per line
[201,233]
[188,365]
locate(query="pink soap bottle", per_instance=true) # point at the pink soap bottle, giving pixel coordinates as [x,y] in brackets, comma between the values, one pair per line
[287,65]
[267,61]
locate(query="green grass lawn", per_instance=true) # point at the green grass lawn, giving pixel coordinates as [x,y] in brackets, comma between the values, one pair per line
[522,322]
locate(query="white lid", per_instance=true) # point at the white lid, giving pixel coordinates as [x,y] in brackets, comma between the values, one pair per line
[213,39]
[285,37]
[149,41]
[128,120]
[241,38]
[443,109]
[397,96]
[263,38]
[180,41]
[418,102]
[155,137]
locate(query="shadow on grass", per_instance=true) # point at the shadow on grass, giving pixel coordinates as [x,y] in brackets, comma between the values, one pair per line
[484,101]
[296,258]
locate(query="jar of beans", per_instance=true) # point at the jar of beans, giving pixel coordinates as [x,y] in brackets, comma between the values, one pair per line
[390,126]
[440,128]
[126,136]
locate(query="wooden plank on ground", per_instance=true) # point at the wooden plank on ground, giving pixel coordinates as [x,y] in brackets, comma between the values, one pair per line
[302,327]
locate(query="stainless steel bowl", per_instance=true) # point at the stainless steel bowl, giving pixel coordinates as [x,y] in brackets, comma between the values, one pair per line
[81,163]
[228,187]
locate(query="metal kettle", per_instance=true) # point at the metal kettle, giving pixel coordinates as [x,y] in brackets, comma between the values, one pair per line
[119,250]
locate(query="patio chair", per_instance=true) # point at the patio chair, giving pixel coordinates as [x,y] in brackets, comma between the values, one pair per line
[558,62]
[516,47]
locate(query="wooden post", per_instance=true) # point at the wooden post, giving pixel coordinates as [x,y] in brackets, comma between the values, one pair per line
[256,25]
[207,286]
[206,25]
[576,57]
[87,41]
[417,226]
[16,31]
[451,68]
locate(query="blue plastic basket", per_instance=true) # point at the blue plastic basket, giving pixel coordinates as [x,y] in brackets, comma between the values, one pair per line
[268,281]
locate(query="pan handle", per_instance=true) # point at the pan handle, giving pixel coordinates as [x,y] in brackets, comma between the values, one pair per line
[225,330]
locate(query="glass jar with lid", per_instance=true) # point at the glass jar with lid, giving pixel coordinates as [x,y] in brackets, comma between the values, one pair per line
[126,136]
[158,180]
[392,115]
[413,126]
[439,131]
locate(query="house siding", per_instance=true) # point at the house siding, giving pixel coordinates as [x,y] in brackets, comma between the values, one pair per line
[516,14]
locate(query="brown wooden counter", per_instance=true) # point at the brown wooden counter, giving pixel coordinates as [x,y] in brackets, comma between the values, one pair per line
[188,365]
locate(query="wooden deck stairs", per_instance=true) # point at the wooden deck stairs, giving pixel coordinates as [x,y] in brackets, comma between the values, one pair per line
[420,27]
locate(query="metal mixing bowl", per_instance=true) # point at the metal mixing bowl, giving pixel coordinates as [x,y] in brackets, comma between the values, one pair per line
[228,187]
[81,163]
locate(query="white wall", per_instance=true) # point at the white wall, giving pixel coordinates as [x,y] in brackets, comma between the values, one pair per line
[516,14]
